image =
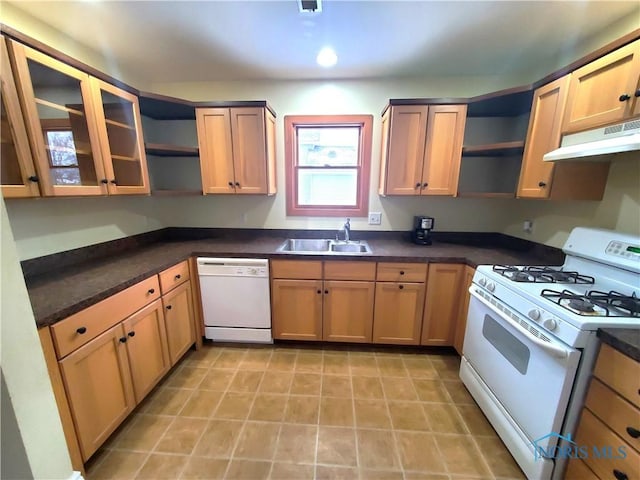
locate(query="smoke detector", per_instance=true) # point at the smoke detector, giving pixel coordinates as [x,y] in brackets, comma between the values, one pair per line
[310,6]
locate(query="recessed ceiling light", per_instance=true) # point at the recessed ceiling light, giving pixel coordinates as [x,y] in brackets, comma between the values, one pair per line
[327,57]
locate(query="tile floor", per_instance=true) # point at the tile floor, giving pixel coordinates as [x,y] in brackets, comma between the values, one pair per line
[280,412]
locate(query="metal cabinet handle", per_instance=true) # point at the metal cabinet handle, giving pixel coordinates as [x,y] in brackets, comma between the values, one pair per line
[168,307]
[114,181]
[624,97]
[418,185]
[151,291]
[326,292]
[425,185]
[82,330]
[230,184]
[319,292]
[633,432]
[620,475]
[637,94]
[542,184]
[238,184]
[401,272]
[104,180]
[123,339]
[177,277]
[132,334]
[33,179]
[400,287]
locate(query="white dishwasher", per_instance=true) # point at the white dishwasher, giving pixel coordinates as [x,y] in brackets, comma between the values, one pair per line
[235,299]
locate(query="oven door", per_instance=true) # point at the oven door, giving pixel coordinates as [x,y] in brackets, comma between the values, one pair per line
[529,373]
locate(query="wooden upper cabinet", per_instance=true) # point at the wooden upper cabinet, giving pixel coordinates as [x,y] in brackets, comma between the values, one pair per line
[17,172]
[442,303]
[85,134]
[120,131]
[443,149]
[555,180]
[543,136]
[404,156]
[421,149]
[237,150]
[60,119]
[604,90]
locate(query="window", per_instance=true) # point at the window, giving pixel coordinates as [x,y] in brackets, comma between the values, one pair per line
[60,145]
[327,160]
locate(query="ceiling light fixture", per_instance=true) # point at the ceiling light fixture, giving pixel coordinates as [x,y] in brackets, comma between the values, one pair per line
[310,6]
[327,57]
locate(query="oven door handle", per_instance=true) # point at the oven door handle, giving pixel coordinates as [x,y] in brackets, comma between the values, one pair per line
[552,349]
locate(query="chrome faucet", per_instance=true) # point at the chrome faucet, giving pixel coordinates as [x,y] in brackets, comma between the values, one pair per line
[346,228]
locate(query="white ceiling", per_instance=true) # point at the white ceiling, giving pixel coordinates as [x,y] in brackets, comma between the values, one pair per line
[169,41]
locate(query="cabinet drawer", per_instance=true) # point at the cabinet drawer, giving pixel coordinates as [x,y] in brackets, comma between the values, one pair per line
[78,329]
[620,372]
[592,433]
[578,470]
[349,270]
[618,414]
[297,269]
[174,276]
[402,272]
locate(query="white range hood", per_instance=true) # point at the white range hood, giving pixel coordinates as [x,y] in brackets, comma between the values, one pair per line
[596,144]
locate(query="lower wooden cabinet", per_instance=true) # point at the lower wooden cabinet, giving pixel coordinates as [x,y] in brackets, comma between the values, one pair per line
[146,341]
[397,315]
[442,303]
[97,379]
[296,310]
[461,326]
[347,311]
[178,319]
[336,309]
[610,419]
[105,359]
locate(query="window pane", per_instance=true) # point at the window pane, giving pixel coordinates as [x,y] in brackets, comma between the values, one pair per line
[62,150]
[327,187]
[328,146]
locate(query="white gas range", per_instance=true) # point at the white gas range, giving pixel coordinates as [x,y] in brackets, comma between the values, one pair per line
[531,343]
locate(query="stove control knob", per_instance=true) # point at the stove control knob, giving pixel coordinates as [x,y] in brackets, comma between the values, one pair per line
[491,286]
[534,314]
[550,324]
[482,282]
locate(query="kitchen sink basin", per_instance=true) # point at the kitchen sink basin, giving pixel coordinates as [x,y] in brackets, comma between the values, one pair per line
[324,246]
[350,248]
[305,245]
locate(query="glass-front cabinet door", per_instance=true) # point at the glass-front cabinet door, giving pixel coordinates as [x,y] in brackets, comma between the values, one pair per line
[120,131]
[60,119]
[17,173]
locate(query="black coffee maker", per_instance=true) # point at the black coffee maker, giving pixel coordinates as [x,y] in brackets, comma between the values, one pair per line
[422,227]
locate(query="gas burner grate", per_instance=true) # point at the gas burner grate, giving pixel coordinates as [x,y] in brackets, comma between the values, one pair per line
[595,303]
[626,303]
[542,275]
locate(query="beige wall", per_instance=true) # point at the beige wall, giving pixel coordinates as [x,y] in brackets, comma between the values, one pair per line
[553,221]
[49,225]
[24,369]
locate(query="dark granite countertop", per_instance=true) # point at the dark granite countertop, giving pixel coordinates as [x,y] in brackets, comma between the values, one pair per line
[55,296]
[625,340]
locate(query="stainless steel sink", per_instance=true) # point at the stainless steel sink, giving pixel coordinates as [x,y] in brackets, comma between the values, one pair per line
[305,245]
[350,248]
[324,246]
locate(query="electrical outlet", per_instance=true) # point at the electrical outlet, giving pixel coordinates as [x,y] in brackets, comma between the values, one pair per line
[375,218]
[527,226]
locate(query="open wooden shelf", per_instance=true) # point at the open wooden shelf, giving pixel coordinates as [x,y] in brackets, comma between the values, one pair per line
[165,150]
[176,193]
[486,194]
[501,149]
